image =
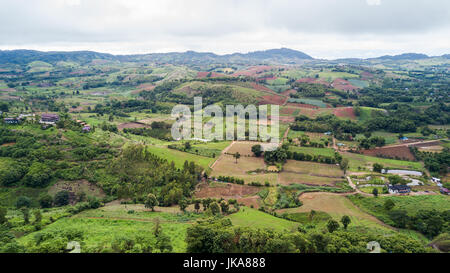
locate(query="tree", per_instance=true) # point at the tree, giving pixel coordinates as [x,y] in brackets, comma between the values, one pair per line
[163,243]
[257,150]
[62,198]
[46,201]
[312,213]
[38,175]
[345,220]
[187,145]
[157,229]
[344,165]
[389,204]
[151,202]
[332,225]
[26,214]
[224,206]
[197,205]
[215,208]
[377,167]
[23,201]
[237,155]
[375,192]
[37,216]
[3,212]
[183,203]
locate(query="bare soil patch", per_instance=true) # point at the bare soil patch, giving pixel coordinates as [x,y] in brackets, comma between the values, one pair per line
[132,125]
[398,152]
[76,187]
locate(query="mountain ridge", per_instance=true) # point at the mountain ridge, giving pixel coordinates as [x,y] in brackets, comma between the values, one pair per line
[280,55]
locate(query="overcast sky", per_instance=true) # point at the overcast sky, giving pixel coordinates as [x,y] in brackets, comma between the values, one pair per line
[320,28]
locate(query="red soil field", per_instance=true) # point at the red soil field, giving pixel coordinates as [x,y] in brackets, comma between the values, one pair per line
[343,85]
[312,80]
[344,112]
[401,152]
[287,111]
[260,87]
[286,119]
[253,71]
[274,99]
[288,92]
[225,190]
[366,75]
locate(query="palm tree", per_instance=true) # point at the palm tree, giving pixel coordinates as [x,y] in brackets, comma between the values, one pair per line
[237,155]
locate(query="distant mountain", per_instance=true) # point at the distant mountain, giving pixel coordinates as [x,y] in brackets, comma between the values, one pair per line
[24,57]
[274,53]
[271,56]
[282,55]
[405,56]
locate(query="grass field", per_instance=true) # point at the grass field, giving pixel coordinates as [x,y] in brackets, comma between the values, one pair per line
[314,102]
[411,204]
[101,225]
[336,206]
[359,162]
[313,151]
[391,138]
[180,157]
[248,217]
[312,168]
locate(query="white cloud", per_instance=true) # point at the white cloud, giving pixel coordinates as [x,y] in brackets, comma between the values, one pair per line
[326,28]
[373,2]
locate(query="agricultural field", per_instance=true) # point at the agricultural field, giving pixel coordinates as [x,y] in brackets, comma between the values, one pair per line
[248,217]
[299,172]
[358,162]
[336,206]
[96,172]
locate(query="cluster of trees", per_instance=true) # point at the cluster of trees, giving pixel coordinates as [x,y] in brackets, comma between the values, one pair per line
[313,158]
[34,160]
[231,179]
[109,127]
[308,90]
[371,142]
[159,130]
[429,222]
[220,236]
[437,163]
[327,123]
[137,172]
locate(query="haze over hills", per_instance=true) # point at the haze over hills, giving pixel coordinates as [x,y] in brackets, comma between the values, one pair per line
[281,56]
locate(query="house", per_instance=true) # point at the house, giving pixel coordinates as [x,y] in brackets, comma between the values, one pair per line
[436,180]
[49,118]
[86,129]
[11,120]
[445,191]
[402,189]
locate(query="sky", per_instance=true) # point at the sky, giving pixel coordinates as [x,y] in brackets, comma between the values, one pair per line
[321,28]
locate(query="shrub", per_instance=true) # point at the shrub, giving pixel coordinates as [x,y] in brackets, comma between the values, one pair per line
[22,202]
[46,201]
[61,198]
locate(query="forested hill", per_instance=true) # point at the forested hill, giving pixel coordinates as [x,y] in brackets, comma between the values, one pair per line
[283,55]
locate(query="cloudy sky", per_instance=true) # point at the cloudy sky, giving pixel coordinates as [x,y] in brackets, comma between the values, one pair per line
[321,28]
